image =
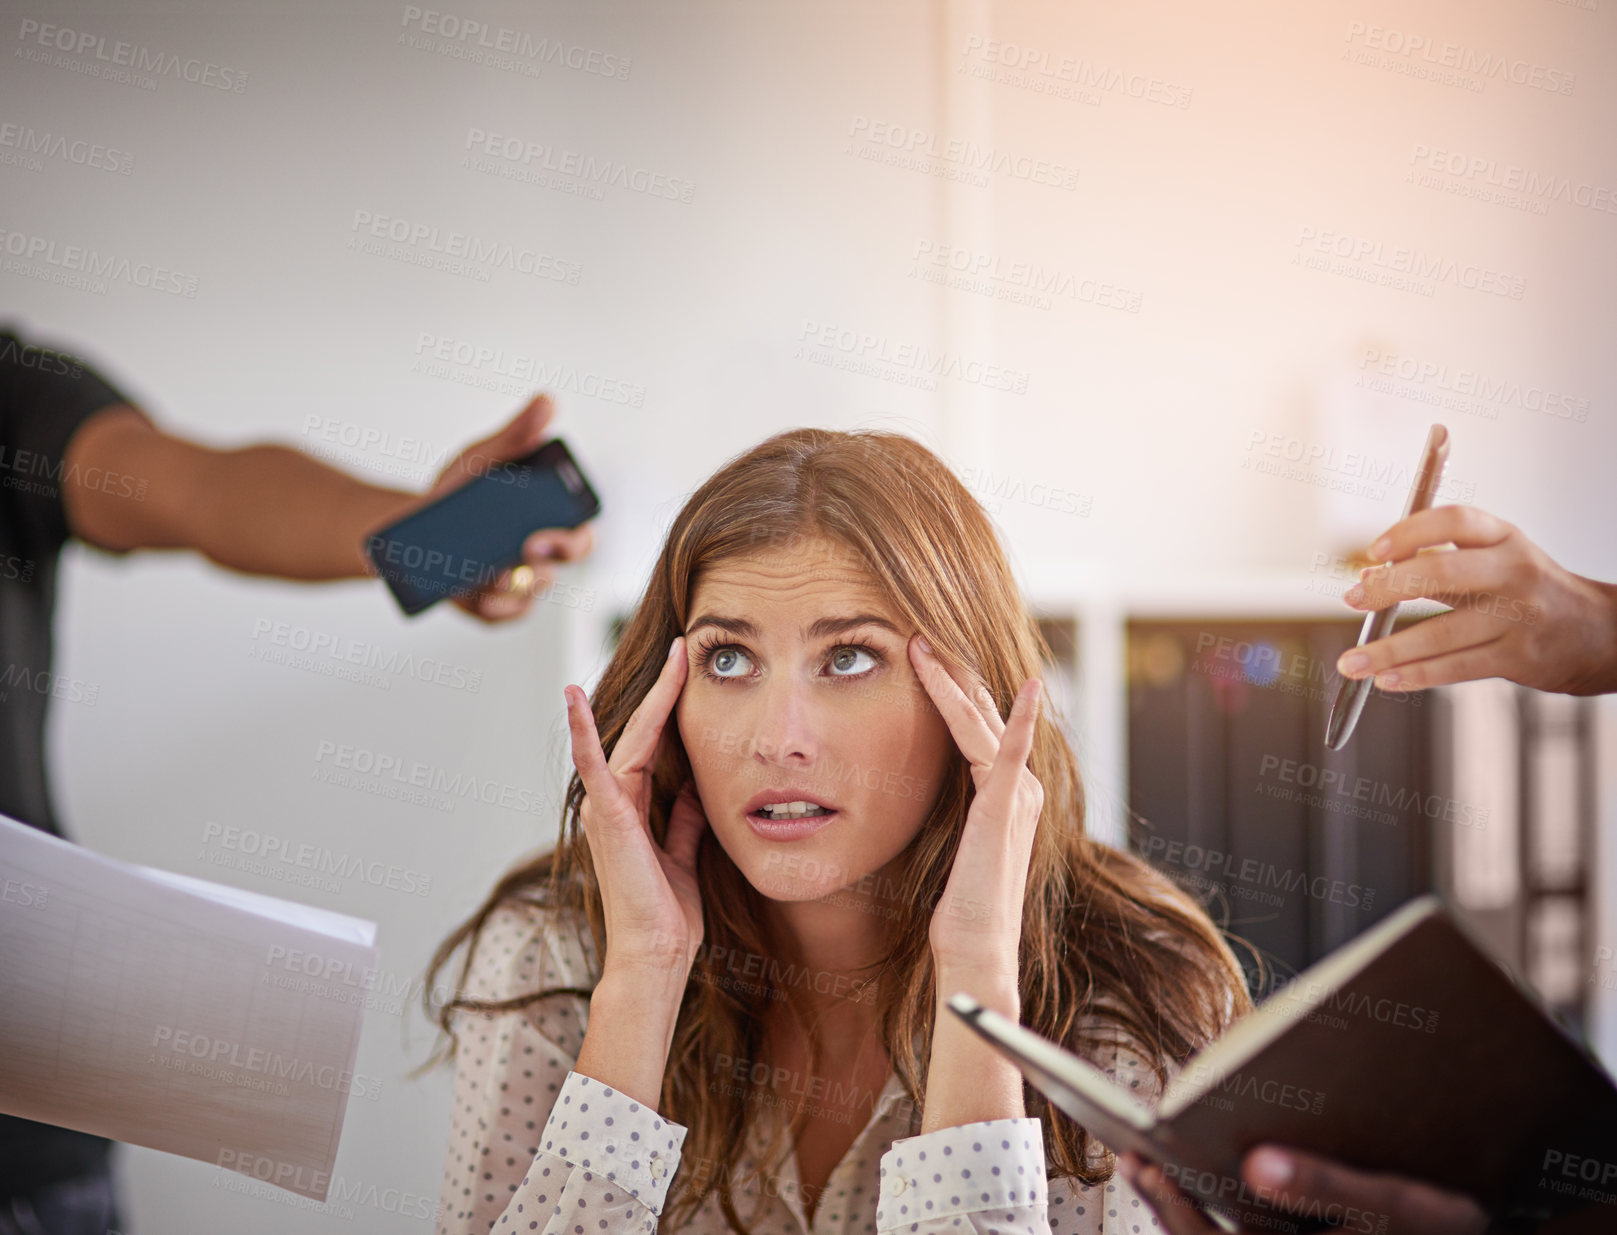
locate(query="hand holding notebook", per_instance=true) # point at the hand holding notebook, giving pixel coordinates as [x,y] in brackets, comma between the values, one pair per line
[1392,1203]
[1408,1053]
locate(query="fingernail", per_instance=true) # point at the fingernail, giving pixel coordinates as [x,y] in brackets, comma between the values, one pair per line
[1388,681]
[673,647]
[1271,1168]
[920,642]
[1379,550]
[1350,663]
[1354,595]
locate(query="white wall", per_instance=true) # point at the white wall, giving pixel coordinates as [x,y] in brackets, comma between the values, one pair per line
[764,110]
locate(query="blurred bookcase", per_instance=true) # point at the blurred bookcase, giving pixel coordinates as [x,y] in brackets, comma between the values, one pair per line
[1198,711]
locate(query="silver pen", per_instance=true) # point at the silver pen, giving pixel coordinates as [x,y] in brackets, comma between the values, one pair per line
[1352,692]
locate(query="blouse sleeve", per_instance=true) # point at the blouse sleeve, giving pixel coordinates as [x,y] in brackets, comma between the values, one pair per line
[988,1178]
[533,1145]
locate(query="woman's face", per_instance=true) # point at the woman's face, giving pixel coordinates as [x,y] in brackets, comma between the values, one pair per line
[801,690]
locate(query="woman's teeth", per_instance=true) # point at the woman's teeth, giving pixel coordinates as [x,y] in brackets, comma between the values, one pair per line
[791,810]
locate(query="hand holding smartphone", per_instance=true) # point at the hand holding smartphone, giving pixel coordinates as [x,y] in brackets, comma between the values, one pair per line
[464,540]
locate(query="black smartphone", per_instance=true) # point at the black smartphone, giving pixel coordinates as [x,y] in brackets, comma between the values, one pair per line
[465,539]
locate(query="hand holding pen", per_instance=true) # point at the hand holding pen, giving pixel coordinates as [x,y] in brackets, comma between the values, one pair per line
[1515,613]
[1352,692]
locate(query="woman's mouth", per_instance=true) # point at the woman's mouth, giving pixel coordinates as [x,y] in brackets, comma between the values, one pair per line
[789,820]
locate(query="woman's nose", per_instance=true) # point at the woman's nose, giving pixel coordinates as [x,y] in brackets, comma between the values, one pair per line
[785,723]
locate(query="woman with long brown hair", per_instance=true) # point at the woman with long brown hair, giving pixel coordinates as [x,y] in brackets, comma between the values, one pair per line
[716,1004]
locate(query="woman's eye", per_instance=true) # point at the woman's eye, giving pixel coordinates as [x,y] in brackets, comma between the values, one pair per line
[724,660]
[846,662]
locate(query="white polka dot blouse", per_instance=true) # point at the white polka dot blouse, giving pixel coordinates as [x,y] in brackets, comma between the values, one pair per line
[537,1147]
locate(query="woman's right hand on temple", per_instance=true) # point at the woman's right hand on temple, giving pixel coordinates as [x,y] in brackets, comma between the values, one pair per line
[649,893]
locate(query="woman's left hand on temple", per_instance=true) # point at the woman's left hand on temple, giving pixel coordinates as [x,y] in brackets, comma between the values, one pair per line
[977,925]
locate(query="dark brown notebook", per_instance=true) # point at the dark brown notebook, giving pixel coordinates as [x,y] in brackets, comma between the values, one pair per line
[1408,1051]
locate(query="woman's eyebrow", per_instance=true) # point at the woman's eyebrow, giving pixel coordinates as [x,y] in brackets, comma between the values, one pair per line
[815,630]
[736,626]
[836,626]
